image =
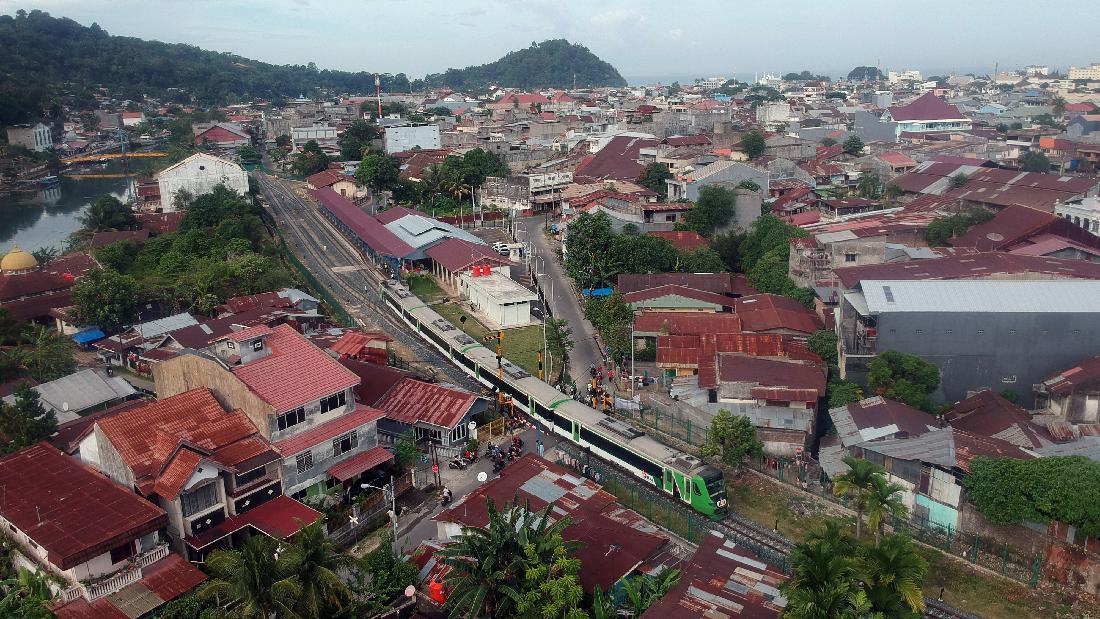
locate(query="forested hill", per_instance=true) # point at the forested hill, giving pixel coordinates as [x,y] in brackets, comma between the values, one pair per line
[41,54]
[550,64]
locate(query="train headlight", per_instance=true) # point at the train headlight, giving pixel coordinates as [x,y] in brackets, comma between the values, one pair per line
[721,503]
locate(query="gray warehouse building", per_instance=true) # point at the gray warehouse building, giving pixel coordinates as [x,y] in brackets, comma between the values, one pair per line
[995,334]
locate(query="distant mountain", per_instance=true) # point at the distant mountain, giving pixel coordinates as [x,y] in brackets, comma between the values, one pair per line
[550,64]
[45,57]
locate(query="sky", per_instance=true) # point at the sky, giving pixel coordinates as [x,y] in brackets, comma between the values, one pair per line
[641,38]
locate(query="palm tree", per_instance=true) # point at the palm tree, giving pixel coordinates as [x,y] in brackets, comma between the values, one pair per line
[824,577]
[868,186]
[856,484]
[318,567]
[893,573]
[49,356]
[28,596]
[642,591]
[488,564]
[254,579]
[883,502]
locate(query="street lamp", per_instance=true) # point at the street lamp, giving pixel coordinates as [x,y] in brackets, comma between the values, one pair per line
[388,490]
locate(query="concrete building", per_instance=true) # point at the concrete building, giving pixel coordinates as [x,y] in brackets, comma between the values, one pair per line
[37,137]
[526,192]
[909,75]
[773,113]
[322,134]
[995,334]
[198,174]
[498,297]
[408,137]
[1090,73]
[1084,213]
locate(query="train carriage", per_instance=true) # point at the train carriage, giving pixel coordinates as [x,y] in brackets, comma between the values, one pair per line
[677,474]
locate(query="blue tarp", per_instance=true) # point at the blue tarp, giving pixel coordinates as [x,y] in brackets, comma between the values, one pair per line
[91,335]
[596,292]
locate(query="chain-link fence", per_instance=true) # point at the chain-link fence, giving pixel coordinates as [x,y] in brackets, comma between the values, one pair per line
[668,423]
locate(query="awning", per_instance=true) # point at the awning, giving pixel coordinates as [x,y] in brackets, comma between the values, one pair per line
[357,464]
[88,336]
[280,518]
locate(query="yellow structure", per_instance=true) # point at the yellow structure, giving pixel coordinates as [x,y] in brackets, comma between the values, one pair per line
[18,261]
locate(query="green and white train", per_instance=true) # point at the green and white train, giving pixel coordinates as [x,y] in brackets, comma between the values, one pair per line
[679,475]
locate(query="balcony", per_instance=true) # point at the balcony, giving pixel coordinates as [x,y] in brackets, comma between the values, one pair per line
[128,576]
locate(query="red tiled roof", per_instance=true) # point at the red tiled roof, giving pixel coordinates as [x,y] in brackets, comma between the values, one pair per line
[926,107]
[683,241]
[988,414]
[897,160]
[256,301]
[969,266]
[80,608]
[148,437]
[1083,374]
[617,160]
[456,254]
[375,380]
[352,343]
[361,416]
[279,518]
[20,285]
[102,239]
[366,228]
[171,577]
[69,509]
[249,333]
[686,323]
[768,312]
[616,540]
[355,465]
[295,372]
[160,223]
[411,401]
[877,412]
[326,178]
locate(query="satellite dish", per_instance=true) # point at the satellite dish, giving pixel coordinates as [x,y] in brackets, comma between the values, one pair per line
[410,591]
[995,237]
[65,406]
[482,476]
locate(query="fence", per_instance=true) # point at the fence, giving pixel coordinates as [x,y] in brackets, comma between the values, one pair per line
[668,423]
[366,516]
[338,312]
[491,430]
[658,508]
[807,476]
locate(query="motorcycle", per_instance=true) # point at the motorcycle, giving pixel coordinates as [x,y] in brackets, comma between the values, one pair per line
[457,463]
[445,498]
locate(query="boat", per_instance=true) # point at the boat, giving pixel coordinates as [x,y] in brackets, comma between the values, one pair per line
[49,181]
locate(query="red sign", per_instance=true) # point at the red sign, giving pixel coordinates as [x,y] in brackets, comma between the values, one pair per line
[435,468]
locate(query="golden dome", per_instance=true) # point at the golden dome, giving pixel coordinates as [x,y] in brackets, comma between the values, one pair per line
[18,260]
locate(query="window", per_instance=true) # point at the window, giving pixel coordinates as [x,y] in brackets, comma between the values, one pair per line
[258,345]
[123,552]
[304,461]
[248,477]
[199,499]
[849,257]
[230,345]
[292,418]
[345,443]
[333,402]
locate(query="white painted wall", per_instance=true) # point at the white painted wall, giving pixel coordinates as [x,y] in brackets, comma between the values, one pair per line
[199,174]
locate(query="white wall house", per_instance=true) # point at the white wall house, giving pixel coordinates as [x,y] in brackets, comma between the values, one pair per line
[199,174]
[37,137]
[407,137]
[322,134]
[499,298]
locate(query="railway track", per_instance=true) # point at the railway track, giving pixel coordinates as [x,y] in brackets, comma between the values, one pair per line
[321,248]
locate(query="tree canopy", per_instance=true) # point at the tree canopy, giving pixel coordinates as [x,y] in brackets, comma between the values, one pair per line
[853,145]
[25,421]
[731,438]
[904,377]
[753,144]
[714,209]
[1065,489]
[108,213]
[1034,161]
[804,76]
[654,176]
[81,58]
[555,63]
[764,252]
[865,74]
[942,229]
[356,139]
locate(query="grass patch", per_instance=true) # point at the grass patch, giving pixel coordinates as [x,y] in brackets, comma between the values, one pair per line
[424,286]
[767,503]
[520,345]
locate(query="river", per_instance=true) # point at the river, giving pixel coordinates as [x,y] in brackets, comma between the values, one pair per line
[47,218]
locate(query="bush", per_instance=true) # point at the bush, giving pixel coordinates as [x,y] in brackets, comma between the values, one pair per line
[1040,490]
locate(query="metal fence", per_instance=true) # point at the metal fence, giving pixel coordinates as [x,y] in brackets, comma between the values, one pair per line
[807,476]
[335,309]
[667,423]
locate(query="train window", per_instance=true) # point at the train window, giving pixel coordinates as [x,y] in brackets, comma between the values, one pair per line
[392,301]
[408,316]
[620,453]
[466,361]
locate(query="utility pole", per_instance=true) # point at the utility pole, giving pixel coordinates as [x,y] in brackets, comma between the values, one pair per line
[378,94]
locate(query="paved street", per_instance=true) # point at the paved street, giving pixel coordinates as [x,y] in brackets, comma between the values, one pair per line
[461,483]
[558,290]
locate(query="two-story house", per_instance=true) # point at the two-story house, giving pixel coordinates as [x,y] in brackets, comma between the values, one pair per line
[93,537]
[208,468]
[299,398]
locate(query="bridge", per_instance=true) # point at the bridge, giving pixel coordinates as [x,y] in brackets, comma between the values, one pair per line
[109,156]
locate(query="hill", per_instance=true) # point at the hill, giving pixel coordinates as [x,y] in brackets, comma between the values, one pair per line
[48,57]
[550,64]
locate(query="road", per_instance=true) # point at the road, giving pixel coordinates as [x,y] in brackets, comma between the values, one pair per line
[352,280]
[557,288]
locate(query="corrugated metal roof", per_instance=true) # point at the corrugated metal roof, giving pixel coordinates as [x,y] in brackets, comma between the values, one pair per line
[990,296]
[79,391]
